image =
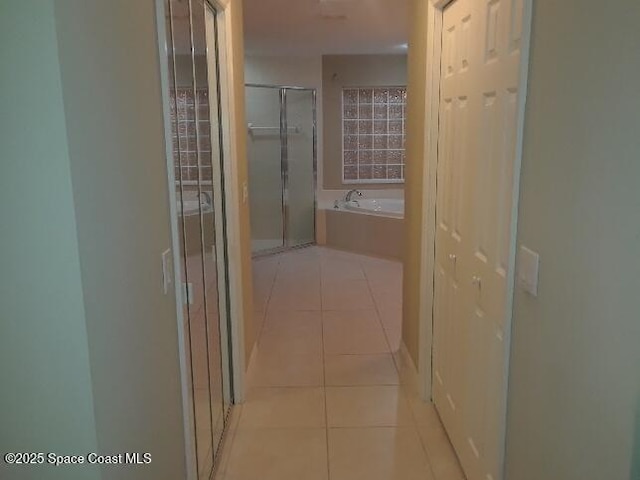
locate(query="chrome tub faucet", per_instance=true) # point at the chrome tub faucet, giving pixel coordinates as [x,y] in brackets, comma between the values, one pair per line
[351,193]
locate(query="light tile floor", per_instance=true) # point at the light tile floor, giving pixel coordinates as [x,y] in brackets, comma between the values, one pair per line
[328,396]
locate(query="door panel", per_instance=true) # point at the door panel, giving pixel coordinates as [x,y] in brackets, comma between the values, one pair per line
[300,117]
[209,131]
[218,255]
[187,149]
[266,182]
[481,42]
[197,147]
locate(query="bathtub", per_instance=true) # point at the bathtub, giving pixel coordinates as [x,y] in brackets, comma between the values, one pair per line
[189,215]
[193,207]
[386,207]
[372,226]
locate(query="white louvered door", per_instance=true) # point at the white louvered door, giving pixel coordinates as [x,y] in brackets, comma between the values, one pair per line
[480,64]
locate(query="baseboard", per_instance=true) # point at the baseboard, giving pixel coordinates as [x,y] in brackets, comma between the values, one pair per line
[407,360]
[407,368]
[239,400]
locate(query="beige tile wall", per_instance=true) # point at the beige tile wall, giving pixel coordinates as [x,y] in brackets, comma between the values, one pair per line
[376,235]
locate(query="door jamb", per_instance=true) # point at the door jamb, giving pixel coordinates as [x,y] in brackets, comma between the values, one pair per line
[234,198]
[432,107]
[435,9]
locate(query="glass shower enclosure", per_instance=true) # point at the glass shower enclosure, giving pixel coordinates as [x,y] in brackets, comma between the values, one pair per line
[281,147]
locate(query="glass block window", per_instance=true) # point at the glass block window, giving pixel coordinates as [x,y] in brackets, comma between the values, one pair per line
[373,134]
[191,152]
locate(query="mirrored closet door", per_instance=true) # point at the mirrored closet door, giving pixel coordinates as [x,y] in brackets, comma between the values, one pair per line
[197,136]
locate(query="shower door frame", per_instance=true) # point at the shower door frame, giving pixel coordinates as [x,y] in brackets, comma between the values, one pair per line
[284,165]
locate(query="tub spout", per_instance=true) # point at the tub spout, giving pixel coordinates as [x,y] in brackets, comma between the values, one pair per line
[351,193]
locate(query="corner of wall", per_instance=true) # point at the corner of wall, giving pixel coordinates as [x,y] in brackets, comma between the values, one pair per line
[414,188]
[238,64]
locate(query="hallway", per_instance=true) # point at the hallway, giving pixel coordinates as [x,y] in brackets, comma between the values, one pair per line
[328,397]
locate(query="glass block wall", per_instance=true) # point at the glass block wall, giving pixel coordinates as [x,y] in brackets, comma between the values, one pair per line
[191,152]
[373,134]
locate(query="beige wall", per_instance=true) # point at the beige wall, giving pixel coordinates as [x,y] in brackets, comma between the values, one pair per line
[574,392]
[365,234]
[46,399]
[114,115]
[290,70]
[416,153]
[95,339]
[240,147]
[339,71]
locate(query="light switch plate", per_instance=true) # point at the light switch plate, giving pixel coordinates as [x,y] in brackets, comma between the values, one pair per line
[528,270]
[167,270]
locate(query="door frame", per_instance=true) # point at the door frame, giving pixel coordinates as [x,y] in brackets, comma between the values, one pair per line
[435,12]
[233,201]
[234,197]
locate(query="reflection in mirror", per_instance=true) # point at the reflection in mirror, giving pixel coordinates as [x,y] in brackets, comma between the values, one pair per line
[208,132]
[196,134]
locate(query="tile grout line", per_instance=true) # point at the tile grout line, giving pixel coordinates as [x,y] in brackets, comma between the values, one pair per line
[425,449]
[227,448]
[311,428]
[266,310]
[365,278]
[320,261]
[401,385]
[378,316]
[266,307]
[324,371]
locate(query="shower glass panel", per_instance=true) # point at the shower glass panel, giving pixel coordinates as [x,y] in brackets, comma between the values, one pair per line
[264,150]
[300,116]
[197,151]
[282,163]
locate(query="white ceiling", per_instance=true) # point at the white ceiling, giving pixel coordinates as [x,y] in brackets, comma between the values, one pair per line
[307,27]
